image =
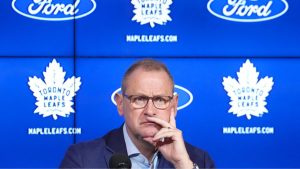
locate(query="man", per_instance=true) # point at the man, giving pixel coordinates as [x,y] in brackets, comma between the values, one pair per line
[149,135]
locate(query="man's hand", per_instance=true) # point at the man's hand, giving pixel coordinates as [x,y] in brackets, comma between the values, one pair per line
[169,141]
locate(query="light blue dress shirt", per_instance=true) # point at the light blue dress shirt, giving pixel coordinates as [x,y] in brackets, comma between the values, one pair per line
[138,160]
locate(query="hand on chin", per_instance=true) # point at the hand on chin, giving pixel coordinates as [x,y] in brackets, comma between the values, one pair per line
[149,134]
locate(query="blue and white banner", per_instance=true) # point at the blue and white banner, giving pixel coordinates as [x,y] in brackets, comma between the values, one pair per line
[149,28]
[227,106]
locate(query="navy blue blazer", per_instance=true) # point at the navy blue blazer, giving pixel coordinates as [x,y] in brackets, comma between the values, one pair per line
[96,153]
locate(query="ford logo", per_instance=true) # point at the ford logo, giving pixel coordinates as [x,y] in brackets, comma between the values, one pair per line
[247,10]
[54,10]
[185,96]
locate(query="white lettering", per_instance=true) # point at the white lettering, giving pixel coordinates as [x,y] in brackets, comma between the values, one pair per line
[239,7]
[248,130]
[46,7]
[54,131]
[152,38]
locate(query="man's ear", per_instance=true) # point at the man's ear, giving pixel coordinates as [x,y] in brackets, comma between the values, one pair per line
[175,104]
[119,101]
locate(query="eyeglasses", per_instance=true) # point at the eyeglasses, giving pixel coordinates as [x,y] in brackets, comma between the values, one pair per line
[141,101]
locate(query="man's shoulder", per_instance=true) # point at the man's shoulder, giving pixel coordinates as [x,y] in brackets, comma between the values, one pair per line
[90,154]
[89,145]
[194,150]
[95,144]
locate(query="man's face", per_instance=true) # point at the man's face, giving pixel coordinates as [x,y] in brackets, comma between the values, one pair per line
[146,83]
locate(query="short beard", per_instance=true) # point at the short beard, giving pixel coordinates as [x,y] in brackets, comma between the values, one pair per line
[144,143]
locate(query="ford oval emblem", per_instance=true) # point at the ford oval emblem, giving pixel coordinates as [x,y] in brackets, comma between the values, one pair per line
[54,10]
[247,10]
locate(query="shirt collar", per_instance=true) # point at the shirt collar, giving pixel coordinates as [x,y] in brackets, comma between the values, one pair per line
[131,148]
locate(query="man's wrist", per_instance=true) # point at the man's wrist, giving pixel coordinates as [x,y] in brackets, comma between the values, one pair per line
[185,165]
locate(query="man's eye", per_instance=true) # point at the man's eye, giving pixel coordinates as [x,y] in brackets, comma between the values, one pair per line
[140,99]
[159,99]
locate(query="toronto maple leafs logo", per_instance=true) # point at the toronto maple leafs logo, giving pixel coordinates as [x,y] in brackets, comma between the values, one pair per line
[54,95]
[151,11]
[248,95]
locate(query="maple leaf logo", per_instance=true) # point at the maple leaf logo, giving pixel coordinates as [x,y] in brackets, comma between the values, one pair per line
[248,95]
[152,12]
[55,95]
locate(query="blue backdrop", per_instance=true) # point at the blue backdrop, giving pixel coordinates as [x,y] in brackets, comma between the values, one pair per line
[200,49]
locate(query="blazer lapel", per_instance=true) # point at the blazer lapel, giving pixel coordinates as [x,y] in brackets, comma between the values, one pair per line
[115,143]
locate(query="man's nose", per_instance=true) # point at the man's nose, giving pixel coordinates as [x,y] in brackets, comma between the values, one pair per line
[150,110]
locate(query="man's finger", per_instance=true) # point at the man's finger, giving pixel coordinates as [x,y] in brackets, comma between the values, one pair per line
[161,122]
[172,118]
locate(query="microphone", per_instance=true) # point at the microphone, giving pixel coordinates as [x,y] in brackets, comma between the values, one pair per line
[119,161]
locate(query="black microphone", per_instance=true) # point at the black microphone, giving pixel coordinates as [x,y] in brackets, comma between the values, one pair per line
[119,161]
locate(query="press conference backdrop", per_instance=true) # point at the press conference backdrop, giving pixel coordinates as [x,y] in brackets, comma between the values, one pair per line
[235,65]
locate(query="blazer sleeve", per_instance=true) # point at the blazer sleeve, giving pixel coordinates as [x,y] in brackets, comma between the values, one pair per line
[200,157]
